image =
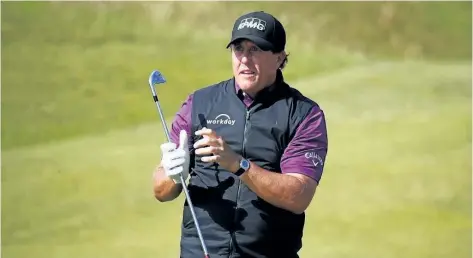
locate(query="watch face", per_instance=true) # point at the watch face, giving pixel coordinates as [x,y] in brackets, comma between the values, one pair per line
[245,164]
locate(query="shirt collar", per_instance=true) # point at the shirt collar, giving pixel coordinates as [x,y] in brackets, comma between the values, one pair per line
[262,93]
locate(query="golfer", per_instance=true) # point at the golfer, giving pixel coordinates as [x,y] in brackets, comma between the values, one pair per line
[256,148]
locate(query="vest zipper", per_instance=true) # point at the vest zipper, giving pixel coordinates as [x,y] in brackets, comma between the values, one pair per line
[232,250]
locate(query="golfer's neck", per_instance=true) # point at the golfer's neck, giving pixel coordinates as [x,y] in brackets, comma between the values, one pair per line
[253,92]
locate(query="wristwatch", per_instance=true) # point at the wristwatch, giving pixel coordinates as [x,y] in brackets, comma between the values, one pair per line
[244,166]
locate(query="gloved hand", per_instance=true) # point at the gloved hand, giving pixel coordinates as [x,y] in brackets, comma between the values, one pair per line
[176,160]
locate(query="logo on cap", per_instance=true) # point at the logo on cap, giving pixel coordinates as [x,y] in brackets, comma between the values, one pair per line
[253,23]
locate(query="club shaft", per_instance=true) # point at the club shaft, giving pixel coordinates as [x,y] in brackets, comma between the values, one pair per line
[197,226]
[183,182]
[161,116]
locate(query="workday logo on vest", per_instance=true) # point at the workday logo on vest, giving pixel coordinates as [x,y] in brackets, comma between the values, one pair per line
[253,23]
[222,119]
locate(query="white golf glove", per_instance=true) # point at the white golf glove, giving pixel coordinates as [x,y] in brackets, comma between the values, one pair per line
[176,160]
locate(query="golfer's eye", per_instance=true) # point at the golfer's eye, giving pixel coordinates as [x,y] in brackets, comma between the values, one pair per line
[238,48]
[254,49]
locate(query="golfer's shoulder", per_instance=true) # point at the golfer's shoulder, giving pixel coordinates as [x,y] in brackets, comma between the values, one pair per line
[308,116]
[302,102]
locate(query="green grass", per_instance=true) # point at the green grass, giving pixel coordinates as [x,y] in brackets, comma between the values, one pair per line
[80,136]
[81,68]
[407,194]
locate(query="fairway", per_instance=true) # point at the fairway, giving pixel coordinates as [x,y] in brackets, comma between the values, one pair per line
[407,194]
[77,162]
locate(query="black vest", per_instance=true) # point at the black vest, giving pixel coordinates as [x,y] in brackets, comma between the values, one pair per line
[234,221]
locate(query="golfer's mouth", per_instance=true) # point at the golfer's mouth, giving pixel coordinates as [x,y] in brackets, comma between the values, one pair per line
[247,72]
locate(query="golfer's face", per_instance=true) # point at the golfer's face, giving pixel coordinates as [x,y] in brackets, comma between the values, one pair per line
[253,68]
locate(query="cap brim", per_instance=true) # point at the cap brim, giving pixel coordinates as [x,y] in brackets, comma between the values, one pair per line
[261,43]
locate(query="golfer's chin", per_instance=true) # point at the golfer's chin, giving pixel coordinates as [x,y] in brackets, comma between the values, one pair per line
[248,83]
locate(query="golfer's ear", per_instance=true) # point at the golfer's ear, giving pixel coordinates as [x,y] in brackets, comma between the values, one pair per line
[280,59]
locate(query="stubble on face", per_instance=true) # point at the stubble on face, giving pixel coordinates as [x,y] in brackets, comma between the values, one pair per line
[253,68]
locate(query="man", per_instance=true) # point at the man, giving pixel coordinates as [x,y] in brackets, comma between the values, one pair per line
[256,148]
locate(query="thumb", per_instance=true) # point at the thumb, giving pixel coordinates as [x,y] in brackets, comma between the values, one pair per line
[183,143]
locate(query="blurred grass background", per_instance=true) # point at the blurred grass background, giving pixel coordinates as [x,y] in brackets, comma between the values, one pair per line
[80,133]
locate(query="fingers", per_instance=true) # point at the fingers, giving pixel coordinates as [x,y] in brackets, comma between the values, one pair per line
[207,141]
[208,150]
[175,154]
[211,144]
[175,171]
[172,164]
[215,158]
[207,132]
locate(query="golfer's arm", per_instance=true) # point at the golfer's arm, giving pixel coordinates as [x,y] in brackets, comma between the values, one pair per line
[164,188]
[290,191]
[305,153]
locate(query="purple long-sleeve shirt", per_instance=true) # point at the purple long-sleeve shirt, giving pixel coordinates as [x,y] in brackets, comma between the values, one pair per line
[305,153]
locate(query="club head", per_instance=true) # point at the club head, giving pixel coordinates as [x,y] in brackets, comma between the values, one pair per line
[156,78]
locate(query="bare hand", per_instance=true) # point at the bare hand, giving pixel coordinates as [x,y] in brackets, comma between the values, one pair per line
[212,144]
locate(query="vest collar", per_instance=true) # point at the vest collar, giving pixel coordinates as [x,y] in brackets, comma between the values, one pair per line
[266,92]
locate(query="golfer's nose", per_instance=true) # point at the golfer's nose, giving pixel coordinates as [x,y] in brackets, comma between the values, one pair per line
[244,59]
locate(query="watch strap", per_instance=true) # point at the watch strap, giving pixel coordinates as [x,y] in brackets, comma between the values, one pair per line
[240,171]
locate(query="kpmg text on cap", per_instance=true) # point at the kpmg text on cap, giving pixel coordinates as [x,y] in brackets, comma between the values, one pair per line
[254,23]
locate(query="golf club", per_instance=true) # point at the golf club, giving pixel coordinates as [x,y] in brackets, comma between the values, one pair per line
[157,78]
